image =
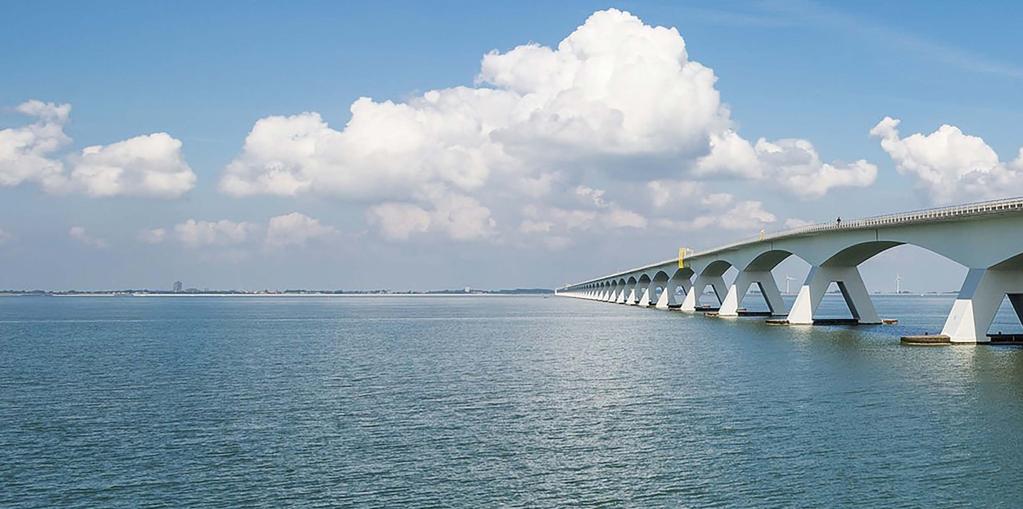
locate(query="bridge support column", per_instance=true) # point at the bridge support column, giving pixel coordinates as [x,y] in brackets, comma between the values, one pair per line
[644,294]
[664,298]
[692,299]
[850,283]
[978,302]
[737,292]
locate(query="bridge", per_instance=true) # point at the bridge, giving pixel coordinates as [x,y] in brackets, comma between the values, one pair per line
[985,237]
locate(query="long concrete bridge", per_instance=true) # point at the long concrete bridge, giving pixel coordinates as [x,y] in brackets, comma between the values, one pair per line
[986,237]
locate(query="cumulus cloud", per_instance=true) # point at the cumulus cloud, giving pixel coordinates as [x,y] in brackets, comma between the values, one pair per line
[150,165]
[398,221]
[948,165]
[457,216]
[194,233]
[81,235]
[791,164]
[730,156]
[554,223]
[615,86]
[590,194]
[295,229]
[797,166]
[617,217]
[664,193]
[616,98]
[744,215]
[26,152]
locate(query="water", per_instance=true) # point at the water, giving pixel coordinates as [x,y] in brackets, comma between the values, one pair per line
[493,401]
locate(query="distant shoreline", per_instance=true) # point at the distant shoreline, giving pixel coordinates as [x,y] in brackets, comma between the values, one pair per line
[500,293]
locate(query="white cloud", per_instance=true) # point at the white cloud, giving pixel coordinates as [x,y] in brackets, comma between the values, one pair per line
[664,193]
[398,221]
[730,156]
[194,233]
[791,164]
[614,87]
[462,218]
[528,226]
[717,199]
[548,219]
[150,165]
[295,229]
[25,152]
[551,220]
[617,217]
[153,236]
[78,233]
[457,216]
[744,215]
[617,100]
[596,196]
[797,166]
[948,165]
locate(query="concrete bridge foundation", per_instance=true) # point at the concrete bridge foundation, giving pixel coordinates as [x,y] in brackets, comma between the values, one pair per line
[737,292]
[850,283]
[692,300]
[978,302]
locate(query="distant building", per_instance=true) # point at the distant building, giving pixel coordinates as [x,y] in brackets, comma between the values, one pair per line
[178,286]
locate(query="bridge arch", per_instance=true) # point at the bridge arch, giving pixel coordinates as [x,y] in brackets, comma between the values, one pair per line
[839,262]
[768,260]
[852,256]
[711,275]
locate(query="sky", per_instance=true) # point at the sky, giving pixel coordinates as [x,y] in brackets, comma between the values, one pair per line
[420,145]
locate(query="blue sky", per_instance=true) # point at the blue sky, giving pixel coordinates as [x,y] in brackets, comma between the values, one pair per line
[205,74]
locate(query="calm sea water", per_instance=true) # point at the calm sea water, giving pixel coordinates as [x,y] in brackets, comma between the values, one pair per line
[493,401]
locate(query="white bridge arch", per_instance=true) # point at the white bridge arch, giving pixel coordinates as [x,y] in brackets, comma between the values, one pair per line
[985,237]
